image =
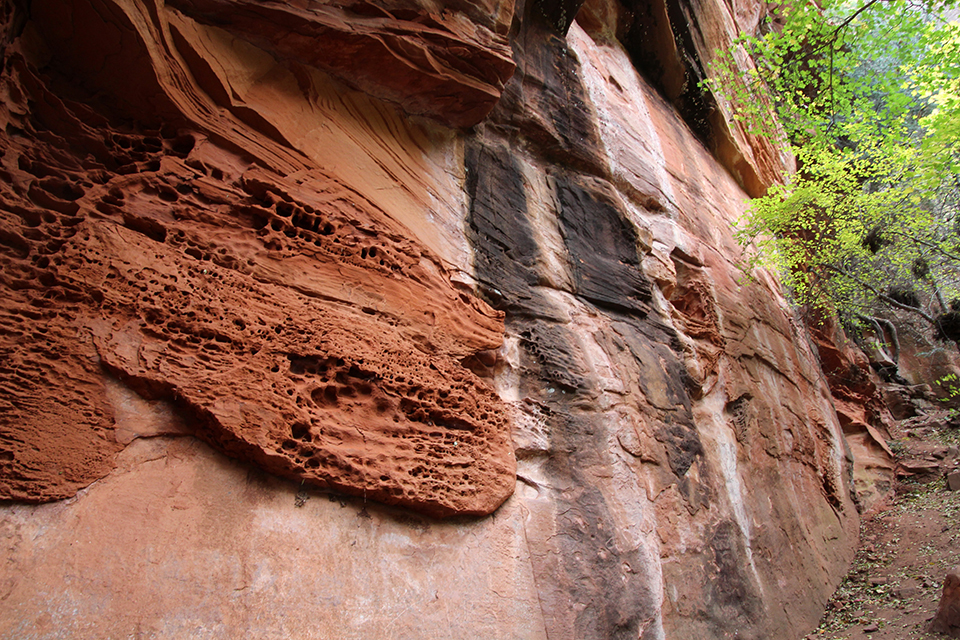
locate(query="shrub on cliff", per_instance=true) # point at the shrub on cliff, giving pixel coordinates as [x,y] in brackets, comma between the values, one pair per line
[867,97]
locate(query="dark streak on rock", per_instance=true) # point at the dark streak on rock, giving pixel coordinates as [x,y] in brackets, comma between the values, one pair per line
[602,245]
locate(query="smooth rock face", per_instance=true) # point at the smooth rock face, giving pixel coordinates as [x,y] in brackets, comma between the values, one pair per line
[953,481]
[180,542]
[220,262]
[442,65]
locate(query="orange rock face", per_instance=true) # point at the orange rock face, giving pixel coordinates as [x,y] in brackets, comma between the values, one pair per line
[444,66]
[300,327]
[285,284]
[861,411]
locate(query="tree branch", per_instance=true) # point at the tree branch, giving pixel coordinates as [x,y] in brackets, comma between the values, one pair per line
[929,245]
[882,296]
[856,13]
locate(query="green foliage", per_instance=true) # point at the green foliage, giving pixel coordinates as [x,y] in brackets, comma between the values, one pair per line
[867,97]
[950,384]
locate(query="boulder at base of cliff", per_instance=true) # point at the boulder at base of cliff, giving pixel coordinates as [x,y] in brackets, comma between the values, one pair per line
[947,620]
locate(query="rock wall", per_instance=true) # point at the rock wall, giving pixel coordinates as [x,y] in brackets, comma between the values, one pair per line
[397,320]
[861,409]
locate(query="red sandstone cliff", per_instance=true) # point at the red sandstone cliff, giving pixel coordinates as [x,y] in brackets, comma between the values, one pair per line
[398,320]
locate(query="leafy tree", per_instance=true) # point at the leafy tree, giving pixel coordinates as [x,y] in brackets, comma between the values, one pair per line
[866,95]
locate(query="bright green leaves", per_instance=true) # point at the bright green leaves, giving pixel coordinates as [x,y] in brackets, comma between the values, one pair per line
[867,96]
[939,86]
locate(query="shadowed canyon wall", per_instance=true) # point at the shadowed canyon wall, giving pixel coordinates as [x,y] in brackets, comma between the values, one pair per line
[397,320]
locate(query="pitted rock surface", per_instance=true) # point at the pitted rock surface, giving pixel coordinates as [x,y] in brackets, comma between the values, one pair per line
[301,328]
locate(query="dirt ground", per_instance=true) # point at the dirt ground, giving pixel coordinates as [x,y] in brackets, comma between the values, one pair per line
[907,547]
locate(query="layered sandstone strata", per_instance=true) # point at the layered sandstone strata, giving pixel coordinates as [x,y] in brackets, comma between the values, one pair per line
[459,261]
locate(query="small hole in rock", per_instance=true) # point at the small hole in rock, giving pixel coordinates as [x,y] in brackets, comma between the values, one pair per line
[182,145]
[301,431]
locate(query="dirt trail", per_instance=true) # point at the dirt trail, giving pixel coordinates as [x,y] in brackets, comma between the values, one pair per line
[907,547]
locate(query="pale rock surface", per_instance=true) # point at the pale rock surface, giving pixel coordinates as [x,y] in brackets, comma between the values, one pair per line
[181,542]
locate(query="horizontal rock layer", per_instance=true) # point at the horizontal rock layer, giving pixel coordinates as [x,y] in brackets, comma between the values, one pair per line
[441,66]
